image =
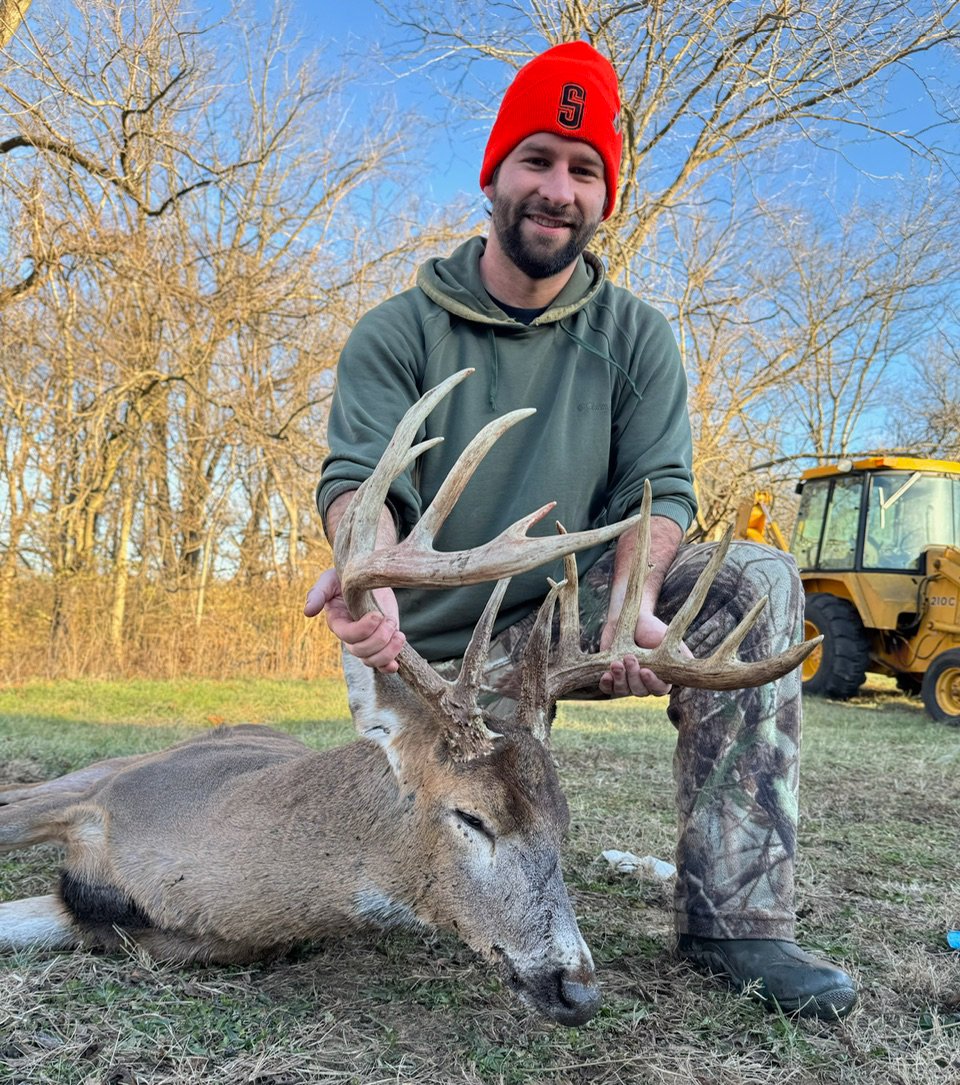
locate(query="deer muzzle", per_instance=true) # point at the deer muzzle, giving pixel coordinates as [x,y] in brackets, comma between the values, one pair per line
[568,996]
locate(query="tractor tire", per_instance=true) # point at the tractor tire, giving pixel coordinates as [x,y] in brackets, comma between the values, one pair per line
[838,667]
[941,687]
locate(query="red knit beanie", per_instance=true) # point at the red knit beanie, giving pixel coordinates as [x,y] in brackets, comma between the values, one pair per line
[570,90]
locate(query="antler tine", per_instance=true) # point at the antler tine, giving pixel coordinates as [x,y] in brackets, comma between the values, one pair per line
[460,474]
[534,704]
[694,601]
[475,657]
[357,531]
[733,640]
[465,733]
[572,669]
[639,569]
[569,597]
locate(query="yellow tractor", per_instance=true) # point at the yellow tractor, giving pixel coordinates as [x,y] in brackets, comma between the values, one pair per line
[877,541]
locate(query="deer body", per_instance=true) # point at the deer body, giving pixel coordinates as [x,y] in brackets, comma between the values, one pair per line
[241,842]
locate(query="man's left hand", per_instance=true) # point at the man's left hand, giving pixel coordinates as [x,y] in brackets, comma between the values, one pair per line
[626,678]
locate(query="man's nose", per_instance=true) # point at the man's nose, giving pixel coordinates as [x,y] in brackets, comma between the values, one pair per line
[557,186]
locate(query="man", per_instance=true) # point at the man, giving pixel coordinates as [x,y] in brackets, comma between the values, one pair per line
[530,310]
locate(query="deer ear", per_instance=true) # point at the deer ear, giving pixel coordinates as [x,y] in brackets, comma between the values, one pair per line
[373,700]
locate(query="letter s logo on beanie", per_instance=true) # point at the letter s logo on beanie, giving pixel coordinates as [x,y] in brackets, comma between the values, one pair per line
[572,100]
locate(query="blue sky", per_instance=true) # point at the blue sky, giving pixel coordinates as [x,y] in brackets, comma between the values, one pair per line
[358,25]
[863,171]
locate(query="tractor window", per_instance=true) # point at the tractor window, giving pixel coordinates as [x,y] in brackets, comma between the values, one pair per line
[809,527]
[907,512]
[839,547]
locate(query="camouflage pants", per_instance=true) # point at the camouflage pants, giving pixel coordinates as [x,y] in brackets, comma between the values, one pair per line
[736,760]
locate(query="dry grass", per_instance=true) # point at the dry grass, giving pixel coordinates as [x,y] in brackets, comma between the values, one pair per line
[243,629]
[878,888]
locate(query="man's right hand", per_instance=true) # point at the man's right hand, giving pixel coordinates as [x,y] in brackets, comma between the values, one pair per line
[375,639]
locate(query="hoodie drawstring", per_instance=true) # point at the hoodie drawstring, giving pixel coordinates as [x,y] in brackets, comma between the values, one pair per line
[584,345]
[494,370]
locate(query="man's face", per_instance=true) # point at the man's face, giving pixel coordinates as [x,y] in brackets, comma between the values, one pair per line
[548,197]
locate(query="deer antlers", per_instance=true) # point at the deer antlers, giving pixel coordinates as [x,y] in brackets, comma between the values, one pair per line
[414,562]
[546,678]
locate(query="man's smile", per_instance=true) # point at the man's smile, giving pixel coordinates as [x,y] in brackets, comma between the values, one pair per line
[550,223]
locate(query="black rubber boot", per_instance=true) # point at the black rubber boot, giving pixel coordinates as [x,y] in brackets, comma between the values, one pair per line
[778,973]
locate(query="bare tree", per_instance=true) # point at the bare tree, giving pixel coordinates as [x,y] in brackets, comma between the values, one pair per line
[927,420]
[713,301]
[21,465]
[182,200]
[848,307]
[11,15]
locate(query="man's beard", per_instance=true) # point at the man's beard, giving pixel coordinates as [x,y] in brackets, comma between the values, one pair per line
[535,260]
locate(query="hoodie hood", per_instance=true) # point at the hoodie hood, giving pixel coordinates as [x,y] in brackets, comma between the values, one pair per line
[453,282]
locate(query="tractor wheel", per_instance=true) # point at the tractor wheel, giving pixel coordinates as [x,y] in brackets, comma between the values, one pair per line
[838,667]
[941,687]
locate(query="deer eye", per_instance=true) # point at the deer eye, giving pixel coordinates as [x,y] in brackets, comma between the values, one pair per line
[473,822]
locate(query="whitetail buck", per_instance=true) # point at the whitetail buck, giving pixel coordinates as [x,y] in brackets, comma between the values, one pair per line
[241,842]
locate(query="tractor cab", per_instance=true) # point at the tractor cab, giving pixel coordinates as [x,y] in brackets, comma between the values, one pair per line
[877,514]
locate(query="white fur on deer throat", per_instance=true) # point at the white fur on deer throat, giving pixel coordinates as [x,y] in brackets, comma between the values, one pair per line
[374,907]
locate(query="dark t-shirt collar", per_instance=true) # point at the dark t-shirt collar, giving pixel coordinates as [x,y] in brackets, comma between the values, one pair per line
[524,316]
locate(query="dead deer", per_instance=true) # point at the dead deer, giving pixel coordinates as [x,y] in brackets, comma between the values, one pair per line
[241,842]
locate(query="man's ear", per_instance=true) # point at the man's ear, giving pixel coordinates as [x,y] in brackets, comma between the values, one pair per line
[490,188]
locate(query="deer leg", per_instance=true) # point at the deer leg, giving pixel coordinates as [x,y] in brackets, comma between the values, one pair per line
[36,923]
[59,818]
[76,783]
[737,757]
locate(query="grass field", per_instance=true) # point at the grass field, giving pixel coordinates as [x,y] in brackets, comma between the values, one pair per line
[878,887]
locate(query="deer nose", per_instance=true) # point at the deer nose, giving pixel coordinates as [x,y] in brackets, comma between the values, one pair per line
[568,996]
[578,1002]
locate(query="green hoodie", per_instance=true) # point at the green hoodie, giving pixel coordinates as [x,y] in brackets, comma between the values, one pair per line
[602,370]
